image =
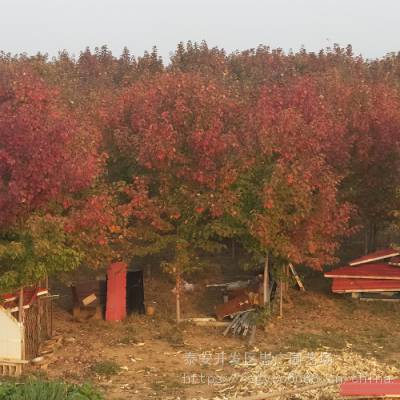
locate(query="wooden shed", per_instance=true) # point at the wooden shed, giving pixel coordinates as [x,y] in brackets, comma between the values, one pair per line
[375,276]
[25,322]
[11,344]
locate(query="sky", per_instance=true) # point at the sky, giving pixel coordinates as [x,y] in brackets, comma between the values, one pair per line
[48,26]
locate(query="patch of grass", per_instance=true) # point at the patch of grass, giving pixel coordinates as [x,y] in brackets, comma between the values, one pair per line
[170,386]
[130,336]
[377,340]
[381,308]
[173,335]
[128,339]
[314,341]
[106,368]
[47,390]
[349,305]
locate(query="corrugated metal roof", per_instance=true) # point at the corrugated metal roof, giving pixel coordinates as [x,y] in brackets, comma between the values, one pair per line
[347,285]
[375,256]
[366,271]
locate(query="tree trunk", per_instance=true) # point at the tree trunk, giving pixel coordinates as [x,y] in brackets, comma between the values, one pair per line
[366,240]
[281,298]
[266,281]
[374,231]
[287,277]
[286,283]
[178,297]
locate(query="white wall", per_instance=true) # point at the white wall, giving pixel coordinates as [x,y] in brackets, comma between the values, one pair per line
[10,337]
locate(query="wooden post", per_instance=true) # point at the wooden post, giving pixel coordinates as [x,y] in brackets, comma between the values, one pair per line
[21,305]
[39,319]
[21,320]
[178,296]
[49,315]
[287,276]
[266,281]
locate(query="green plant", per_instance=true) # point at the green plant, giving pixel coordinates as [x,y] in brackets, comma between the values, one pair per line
[47,390]
[261,315]
[107,368]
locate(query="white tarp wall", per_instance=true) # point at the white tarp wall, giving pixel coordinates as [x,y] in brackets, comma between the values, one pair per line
[11,336]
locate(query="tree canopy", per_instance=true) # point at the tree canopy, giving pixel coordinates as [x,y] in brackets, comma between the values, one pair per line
[105,157]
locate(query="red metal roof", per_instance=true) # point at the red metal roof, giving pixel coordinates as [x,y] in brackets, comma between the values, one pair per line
[395,261]
[375,256]
[366,271]
[370,387]
[11,300]
[346,285]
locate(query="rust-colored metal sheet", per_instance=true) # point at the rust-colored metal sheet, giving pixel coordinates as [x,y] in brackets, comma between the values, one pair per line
[375,256]
[374,388]
[10,300]
[237,304]
[395,261]
[116,292]
[347,285]
[366,271]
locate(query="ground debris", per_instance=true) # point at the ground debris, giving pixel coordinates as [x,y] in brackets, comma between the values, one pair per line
[282,372]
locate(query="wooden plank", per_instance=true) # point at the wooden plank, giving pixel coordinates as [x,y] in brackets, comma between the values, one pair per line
[388,300]
[89,299]
[212,322]
[296,276]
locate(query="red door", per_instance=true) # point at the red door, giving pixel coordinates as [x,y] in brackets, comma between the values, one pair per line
[116,292]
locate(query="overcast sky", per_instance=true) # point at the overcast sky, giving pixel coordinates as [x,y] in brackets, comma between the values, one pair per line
[371,26]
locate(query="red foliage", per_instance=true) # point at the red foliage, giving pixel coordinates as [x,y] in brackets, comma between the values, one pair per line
[46,155]
[302,218]
[183,130]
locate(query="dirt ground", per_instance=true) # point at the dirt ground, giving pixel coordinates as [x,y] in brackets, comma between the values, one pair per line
[150,358]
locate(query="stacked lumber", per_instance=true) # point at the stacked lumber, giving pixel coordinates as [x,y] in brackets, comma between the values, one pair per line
[241,323]
[376,272]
